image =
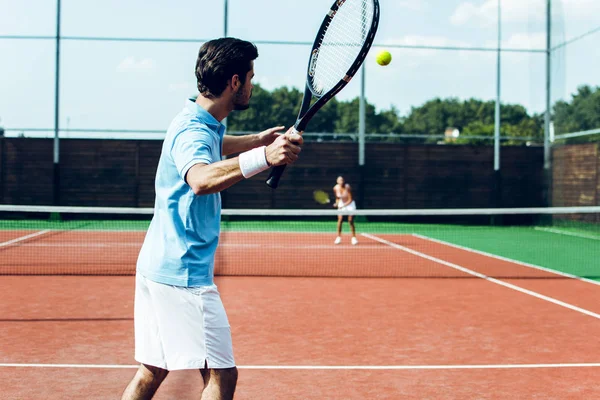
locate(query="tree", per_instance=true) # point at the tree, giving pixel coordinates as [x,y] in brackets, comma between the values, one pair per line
[472,117]
[581,114]
[386,121]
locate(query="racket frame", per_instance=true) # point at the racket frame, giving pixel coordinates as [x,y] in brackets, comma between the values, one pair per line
[306,110]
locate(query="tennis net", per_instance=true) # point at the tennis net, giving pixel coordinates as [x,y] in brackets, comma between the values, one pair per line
[431,243]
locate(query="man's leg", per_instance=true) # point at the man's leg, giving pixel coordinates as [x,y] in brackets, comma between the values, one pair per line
[219,384]
[145,383]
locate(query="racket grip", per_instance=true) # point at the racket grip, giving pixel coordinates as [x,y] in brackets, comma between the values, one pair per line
[276,172]
[275,175]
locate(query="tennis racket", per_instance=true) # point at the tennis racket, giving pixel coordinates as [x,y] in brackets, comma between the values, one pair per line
[341,45]
[321,197]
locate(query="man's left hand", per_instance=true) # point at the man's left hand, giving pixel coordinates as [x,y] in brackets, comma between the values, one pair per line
[267,137]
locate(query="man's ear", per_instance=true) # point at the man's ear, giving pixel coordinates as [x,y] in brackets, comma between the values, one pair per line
[235,82]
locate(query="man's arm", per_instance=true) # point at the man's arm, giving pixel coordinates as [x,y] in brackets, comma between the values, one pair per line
[216,177]
[237,144]
[213,178]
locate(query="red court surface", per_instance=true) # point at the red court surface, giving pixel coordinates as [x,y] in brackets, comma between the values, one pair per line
[71,337]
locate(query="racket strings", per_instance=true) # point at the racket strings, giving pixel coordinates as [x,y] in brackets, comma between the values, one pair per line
[336,58]
[338,51]
[341,43]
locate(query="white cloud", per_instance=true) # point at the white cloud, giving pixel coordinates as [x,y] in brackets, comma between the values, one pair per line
[535,40]
[582,9]
[425,41]
[464,13]
[418,40]
[415,58]
[414,5]
[523,40]
[274,82]
[182,87]
[132,64]
[486,13]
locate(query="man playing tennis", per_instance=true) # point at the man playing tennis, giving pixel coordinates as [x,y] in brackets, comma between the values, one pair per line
[344,201]
[180,321]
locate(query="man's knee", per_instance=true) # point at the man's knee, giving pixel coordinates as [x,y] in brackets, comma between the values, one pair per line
[220,383]
[144,384]
[221,376]
[225,379]
[151,374]
[228,376]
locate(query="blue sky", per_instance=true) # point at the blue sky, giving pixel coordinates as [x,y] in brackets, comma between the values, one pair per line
[142,85]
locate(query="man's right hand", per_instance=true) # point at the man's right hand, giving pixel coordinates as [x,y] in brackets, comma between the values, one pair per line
[285,149]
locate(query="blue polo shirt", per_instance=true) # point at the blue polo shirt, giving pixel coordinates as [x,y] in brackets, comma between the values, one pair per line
[180,245]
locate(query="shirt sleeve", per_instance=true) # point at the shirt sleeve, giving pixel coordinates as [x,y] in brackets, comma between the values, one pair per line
[191,147]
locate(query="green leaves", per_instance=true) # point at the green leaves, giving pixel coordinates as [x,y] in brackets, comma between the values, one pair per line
[472,117]
[581,114]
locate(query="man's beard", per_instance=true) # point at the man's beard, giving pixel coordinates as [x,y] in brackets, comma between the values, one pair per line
[238,103]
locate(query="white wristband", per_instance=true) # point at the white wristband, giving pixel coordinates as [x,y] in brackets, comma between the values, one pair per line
[253,161]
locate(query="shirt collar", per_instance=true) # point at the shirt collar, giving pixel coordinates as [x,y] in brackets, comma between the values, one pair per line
[205,116]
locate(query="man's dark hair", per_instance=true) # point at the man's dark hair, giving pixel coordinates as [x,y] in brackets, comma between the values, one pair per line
[219,60]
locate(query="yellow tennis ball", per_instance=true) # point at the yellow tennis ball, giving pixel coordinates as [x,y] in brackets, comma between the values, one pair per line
[384,57]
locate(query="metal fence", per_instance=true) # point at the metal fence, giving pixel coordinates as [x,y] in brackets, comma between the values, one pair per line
[66,28]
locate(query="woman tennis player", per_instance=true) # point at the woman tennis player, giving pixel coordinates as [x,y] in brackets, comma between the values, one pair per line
[345,202]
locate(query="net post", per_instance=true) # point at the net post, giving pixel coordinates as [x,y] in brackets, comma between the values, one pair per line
[547,171]
[498,99]
[2,168]
[224,122]
[225,16]
[56,148]
[497,175]
[136,189]
[361,138]
[362,113]
[225,32]
[497,199]
[361,186]
[361,119]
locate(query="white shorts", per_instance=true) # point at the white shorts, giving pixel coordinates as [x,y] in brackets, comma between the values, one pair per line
[348,207]
[181,328]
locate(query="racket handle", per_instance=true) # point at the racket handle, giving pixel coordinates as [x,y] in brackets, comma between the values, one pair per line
[275,175]
[276,172]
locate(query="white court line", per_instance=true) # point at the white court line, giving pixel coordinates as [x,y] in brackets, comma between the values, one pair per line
[328,367]
[482,276]
[83,244]
[20,239]
[524,264]
[567,233]
[284,246]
